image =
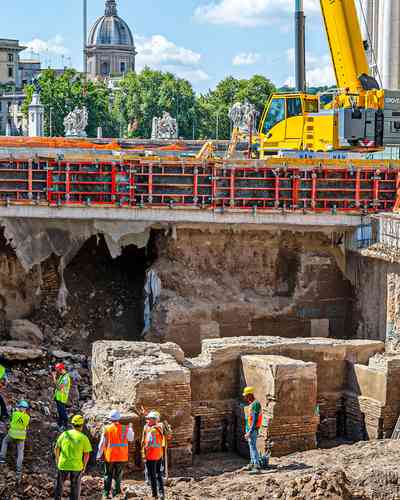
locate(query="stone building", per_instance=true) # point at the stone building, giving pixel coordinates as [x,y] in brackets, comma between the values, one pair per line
[110,49]
[9,62]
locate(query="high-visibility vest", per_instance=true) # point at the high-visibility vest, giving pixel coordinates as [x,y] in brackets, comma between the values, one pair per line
[2,372]
[18,425]
[154,443]
[116,443]
[249,416]
[63,381]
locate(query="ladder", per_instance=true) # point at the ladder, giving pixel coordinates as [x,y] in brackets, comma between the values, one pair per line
[396,432]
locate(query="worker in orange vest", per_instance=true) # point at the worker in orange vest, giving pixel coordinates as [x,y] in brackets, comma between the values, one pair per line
[114,446]
[154,441]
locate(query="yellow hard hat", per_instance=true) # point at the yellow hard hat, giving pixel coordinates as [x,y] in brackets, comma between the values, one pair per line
[77,420]
[248,390]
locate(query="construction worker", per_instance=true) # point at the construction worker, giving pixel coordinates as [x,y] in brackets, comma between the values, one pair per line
[153,453]
[17,434]
[62,381]
[72,453]
[114,446]
[3,407]
[253,422]
[167,433]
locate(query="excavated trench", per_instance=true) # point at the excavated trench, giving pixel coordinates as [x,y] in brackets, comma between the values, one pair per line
[214,284]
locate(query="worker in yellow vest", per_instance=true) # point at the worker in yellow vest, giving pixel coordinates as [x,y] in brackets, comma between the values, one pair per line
[3,407]
[253,423]
[72,452]
[62,381]
[154,441]
[17,433]
[114,446]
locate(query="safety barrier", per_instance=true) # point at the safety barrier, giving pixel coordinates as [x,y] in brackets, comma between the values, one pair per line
[334,186]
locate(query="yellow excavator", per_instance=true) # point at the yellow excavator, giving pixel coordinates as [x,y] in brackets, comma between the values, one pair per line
[358,116]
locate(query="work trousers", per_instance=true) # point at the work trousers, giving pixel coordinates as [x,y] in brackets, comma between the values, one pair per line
[155,476]
[20,450]
[3,409]
[254,456]
[62,414]
[113,470]
[75,478]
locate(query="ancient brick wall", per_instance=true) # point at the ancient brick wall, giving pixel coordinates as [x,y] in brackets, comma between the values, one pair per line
[230,283]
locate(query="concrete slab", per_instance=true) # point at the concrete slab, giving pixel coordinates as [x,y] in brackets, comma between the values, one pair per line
[183,215]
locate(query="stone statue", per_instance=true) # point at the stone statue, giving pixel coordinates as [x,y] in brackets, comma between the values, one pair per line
[243,116]
[76,122]
[36,84]
[165,127]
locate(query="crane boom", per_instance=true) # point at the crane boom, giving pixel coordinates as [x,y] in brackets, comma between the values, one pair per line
[346,45]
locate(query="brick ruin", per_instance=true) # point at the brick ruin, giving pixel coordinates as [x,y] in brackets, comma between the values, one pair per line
[310,390]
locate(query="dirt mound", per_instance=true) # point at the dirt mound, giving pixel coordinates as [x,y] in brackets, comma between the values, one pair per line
[320,485]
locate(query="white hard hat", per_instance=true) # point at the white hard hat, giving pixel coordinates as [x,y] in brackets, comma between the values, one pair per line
[115,416]
[153,415]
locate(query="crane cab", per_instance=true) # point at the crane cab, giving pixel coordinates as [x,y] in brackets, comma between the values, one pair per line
[293,122]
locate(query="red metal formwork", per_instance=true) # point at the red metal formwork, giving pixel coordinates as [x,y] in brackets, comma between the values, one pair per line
[211,184]
[23,181]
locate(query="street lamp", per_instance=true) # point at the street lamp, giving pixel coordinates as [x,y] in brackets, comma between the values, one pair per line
[217,124]
[193,113]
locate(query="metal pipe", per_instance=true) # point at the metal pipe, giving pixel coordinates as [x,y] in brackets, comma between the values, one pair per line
[300,46]
[84,37]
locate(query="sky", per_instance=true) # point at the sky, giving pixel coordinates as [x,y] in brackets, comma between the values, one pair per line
[201,40]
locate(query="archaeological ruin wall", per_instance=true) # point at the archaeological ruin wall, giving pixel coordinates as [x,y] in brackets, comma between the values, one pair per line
[310,390]
[227,283]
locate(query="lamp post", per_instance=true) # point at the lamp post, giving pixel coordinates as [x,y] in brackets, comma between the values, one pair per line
[217,124]
[84,37]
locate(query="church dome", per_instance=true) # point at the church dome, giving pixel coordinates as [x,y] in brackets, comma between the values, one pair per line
[110,29]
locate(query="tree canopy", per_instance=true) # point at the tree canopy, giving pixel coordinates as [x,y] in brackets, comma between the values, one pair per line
[140,97]
[137,98]
[60,94]
[213,107]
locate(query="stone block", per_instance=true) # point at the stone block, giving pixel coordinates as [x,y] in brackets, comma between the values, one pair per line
[320,328]
[25,331]
[287,391]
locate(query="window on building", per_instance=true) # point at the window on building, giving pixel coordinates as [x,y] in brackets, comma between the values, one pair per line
[10,72]
[123,67]
[9,104]
[105,68]
[10,57]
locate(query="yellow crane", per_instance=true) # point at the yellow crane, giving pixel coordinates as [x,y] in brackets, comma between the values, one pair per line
[358,116]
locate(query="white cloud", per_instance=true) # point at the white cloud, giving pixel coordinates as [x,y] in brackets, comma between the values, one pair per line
[160,53]
[246,58]
[53,46]
[158,50]
[319,70]
[250,12]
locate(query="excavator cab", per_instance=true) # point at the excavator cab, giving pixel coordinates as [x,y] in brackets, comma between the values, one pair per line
[283,122]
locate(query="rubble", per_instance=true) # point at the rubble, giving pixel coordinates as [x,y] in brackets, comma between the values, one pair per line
[25,331]
[10,352]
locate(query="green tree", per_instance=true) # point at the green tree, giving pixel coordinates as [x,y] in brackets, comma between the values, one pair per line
[213,107]
[60,94]
[140,97]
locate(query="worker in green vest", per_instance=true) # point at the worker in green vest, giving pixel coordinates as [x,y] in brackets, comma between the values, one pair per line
[17,433]
[62,381]
[3,407]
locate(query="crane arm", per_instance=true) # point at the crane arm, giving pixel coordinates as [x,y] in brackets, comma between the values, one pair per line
[346,46]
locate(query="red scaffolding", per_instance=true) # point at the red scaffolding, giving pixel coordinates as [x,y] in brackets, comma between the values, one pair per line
[262,185]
